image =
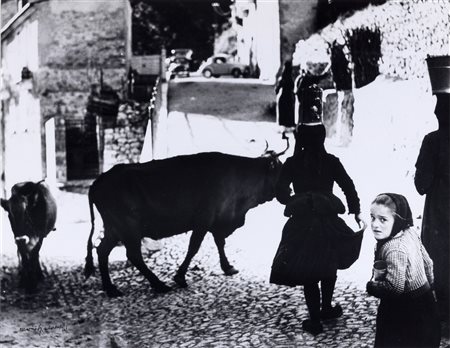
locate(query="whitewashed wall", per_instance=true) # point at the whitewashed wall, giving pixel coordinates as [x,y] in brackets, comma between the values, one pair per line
[23,147]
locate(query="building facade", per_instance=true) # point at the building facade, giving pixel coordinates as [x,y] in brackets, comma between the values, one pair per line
[55,56]
[267,32]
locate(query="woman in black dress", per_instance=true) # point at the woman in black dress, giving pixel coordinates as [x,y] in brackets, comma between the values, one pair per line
[432,179]
[315,241]
[286,97]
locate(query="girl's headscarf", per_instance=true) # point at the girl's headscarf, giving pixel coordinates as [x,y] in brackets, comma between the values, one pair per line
[402,212]
[402,215]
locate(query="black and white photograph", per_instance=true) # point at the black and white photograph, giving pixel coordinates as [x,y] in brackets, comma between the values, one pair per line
[224,173]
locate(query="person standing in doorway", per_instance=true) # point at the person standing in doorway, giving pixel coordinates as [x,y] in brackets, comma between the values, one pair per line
[285,97]
[432,178]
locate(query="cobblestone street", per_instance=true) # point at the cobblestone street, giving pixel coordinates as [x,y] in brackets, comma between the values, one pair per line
[214,311]
[243,310]
[285,128]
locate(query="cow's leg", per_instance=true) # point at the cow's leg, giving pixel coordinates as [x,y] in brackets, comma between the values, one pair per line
[35,264]
[194,244]
[103,250]
[39,273]
[227,268]
[31,272]
[134,254]
[24,274]
[34,272]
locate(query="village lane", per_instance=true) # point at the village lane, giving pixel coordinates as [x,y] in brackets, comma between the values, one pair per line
[243,310]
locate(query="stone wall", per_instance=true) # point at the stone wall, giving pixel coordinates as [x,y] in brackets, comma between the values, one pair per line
[338,111]
[9,9]
[70,46]
[75,45]
[80,39]
[123,143]
[136,124]
[410,31]
[80,45]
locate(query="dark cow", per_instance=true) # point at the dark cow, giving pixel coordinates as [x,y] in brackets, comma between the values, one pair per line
[162,198]
[32,214]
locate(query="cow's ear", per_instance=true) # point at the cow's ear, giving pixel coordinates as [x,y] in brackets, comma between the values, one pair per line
[4,204]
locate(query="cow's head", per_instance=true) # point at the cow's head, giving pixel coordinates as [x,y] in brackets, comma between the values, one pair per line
[274,168]
[26,238]
[17,208]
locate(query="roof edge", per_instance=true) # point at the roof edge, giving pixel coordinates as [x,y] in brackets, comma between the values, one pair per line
[17,16]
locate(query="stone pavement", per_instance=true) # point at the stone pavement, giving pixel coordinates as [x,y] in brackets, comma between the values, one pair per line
[243,310]
[214,311]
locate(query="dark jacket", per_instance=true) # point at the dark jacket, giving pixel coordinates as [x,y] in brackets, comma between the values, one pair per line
[331,171]
[315,242]
[432,178]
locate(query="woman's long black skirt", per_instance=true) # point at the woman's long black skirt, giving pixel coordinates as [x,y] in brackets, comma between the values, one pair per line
[407,322]
[313,248]
[286,108]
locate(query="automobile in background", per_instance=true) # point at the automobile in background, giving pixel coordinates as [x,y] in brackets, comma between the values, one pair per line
[182,52]
[179,63]
[179,66]
[223,64]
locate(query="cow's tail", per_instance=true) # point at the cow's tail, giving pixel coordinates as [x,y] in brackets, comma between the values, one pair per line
[89,268]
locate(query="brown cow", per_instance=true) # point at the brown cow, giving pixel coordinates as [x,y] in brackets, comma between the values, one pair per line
[162,198]
[32,215]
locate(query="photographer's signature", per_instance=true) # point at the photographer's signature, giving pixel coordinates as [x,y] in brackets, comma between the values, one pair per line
[44,329]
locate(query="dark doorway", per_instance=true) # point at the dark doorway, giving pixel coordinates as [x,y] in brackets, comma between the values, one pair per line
[81,149]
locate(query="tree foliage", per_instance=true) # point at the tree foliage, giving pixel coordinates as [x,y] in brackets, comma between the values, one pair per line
[329,11]
[175,24]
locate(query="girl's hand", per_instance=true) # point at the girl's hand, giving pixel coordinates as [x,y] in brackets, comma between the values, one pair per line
[372,286]
[369,287]
[361,223]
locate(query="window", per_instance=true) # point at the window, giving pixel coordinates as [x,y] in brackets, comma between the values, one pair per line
[219,60]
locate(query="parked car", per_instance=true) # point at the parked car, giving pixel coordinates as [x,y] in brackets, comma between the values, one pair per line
[179,66]
[182,52]
[179,63]
[222,64]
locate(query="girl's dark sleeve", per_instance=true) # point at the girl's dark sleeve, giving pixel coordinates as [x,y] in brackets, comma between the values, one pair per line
[283,190]
[346,184]
[426,164]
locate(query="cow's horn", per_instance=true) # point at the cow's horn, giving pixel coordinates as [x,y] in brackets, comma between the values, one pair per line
[24,238]
[287,147]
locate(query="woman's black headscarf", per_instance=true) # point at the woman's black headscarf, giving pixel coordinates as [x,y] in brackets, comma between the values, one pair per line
[310,138]
[309,147]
